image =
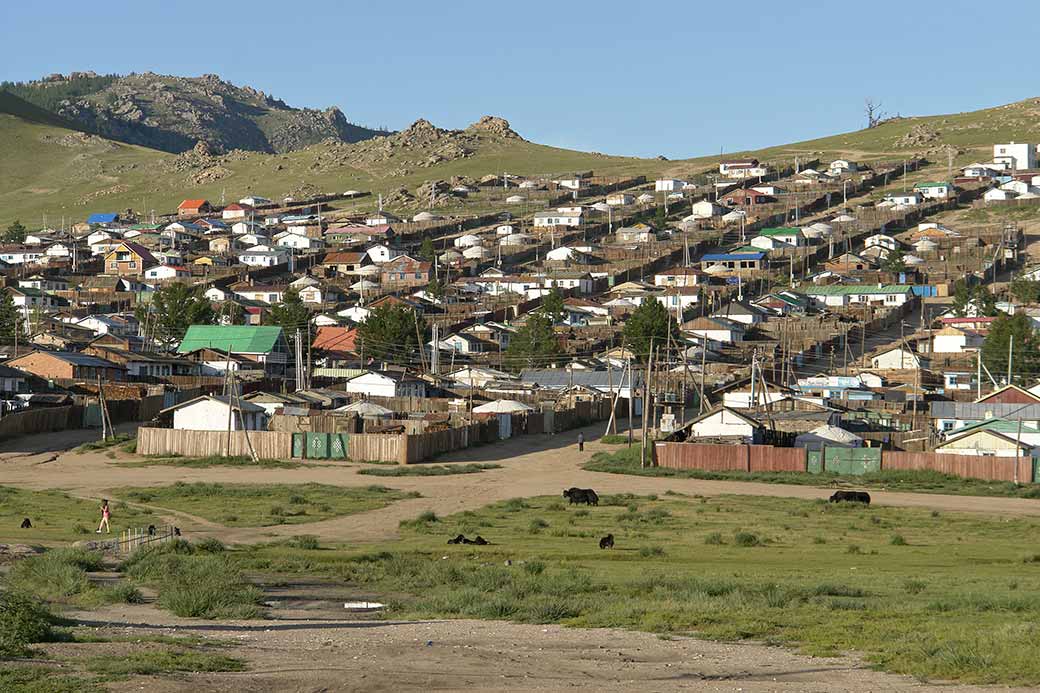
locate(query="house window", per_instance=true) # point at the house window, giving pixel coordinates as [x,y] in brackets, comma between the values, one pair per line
[132,264]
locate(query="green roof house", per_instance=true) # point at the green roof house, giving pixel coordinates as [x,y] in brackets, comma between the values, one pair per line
[780,237]
[936,190]
[843,295]
[263,344]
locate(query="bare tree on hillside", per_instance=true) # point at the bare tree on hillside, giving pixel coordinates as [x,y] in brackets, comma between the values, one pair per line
[874,113]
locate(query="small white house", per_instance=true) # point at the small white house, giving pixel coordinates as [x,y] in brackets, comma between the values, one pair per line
[263,258]
[998,195]
[726,423]
[387,384]
[1015,155]
[935,191]
[881,240]
[557,218]
[297,241]
[211,413]
[668,185]
[705,210]
[907,199]
[620,199]
[381,253]
[167,272]
[896,358]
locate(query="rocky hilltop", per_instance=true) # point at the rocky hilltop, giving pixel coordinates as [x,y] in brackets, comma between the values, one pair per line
[173,114]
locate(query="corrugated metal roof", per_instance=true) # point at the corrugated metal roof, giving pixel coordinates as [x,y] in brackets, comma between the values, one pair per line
[971,411]
[560,378]
[842,289]
[240,339]
[103,218]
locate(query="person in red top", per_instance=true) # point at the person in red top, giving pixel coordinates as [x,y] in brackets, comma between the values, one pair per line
[106,515]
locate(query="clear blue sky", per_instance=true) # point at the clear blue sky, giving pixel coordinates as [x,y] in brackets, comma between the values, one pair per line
[680,78]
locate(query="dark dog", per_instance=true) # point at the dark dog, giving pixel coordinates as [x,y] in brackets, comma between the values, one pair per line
[851,497]
[26,524]
[460,539]
[607,542]
[176,531]
[480,541]
[151,530]
[581,495]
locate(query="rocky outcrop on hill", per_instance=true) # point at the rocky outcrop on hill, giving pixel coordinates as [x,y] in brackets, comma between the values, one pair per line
[496,126]
[920,135]
[173,113]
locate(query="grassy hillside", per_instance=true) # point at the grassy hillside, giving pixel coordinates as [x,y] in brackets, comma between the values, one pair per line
[48,168]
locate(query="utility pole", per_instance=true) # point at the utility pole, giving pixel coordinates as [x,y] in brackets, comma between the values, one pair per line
[646,402]
[631,392]
[1011,353]
[978,374]
[436,352]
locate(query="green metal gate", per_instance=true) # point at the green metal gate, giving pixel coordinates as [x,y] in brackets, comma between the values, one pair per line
[321,446]
[852,460]
[814,461]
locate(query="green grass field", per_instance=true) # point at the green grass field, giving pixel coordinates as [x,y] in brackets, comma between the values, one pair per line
[626,461]
[946,596]
[261,505]
[58,517]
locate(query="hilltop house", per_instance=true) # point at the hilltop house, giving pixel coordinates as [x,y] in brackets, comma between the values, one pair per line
[193,208]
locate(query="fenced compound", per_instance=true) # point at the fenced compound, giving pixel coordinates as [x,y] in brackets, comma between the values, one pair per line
[840,460]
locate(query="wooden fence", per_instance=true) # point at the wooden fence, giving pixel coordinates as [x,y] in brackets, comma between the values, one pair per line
[971,467]
[31,421]
[377,447]
[765,458]
[170,441]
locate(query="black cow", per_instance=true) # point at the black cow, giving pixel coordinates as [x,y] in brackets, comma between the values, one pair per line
[581,495]
[26,524]
[607,542]
[480,541]
[851,497]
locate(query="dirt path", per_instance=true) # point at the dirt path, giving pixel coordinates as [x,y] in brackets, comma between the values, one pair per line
[531,465]
[351,655]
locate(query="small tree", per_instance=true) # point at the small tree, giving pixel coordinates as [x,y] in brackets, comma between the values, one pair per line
[895,261]
[15,232]
[435,288]
[535,340]
[1025,290]
[426,250]
[552,305]
[391,331]
[174,308]
[649,320]
[873,112]
[291,314]
[1026,356]
[10,318]
[973,301]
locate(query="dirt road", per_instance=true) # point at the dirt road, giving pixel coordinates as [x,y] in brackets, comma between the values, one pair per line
[348,655]
[531,465]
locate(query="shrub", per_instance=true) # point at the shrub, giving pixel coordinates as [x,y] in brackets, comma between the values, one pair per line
[633,507]
[714,539]
[914,586]
[828,589]
[23,622]
[209,545]
[746,539]
[534,567]
[59,575]
[556,506]
[537,525]
[581,513]
[308,542]
[897,540]
[123,593]
[424,520]
[276,511]
[651,551]
[297,499]
[1031,558]
[854,549]
[207,587]
[819,540]
[515,505]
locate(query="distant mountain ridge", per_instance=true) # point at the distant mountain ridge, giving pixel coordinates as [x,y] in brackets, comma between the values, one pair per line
[173,114]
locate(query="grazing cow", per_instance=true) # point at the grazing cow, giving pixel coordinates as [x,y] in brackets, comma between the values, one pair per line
[460,539]
[607,542]
[581,495]
[26,524]
[851,497]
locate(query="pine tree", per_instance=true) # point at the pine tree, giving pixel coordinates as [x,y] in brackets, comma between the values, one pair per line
[390,332]
[175,308]
[10,318]
[426,250]
[534,341]
[1026,356]
[552,305]
[649,320]
[15,232]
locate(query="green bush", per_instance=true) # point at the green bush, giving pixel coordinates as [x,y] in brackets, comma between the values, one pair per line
[714,539]
[746,539]
[307,542]
[534,567]
[537,525]
[23,622]
[897,540]
[59,575]
[651,551]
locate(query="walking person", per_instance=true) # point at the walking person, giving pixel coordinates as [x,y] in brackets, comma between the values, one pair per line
[106,515]
[581,442]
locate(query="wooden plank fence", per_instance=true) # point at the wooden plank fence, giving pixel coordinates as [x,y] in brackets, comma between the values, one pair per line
[170,441]
[31,421]
[765,458]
